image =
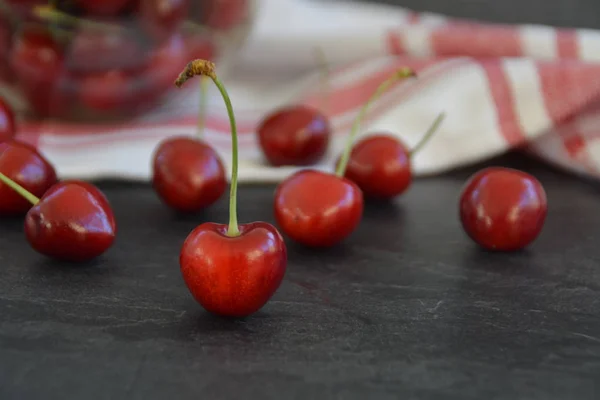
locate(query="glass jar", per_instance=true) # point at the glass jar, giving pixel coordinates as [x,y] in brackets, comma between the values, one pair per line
[99,60]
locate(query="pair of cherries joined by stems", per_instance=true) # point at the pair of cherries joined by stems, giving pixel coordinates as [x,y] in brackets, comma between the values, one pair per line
[70,220]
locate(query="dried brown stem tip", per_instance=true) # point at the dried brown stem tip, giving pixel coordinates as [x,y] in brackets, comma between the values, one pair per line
[194,68]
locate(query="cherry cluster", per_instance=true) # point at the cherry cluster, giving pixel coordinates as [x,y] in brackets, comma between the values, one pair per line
[109,58]
[234,269]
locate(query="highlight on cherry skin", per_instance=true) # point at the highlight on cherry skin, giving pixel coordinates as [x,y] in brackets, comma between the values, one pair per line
[503,209]
[232,270]
[72,221]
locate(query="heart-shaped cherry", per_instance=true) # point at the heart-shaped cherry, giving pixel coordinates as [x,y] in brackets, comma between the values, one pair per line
[23,164]
[503,209]
[320,209]
[231,270]
[105,8]
[295,135]
[380,163]
[72,221]
[7,121]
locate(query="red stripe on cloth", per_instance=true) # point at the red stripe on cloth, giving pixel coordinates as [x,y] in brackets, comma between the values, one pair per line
[476,41]
[395,44]
[348,98]
[567,44]
[505,103]
[568,87]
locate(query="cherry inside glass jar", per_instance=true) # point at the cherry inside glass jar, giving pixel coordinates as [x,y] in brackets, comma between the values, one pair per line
[110,59]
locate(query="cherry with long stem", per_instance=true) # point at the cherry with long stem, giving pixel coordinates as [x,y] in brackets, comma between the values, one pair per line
[231,270]
[207,69]
[380,163]
[402,73]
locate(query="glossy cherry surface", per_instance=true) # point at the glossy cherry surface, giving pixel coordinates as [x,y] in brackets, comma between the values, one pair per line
[188,175]
[233,276]
[503,209]
[7,121]
[161,18]
[103,7]
[380,166]
[318,209]
[71,222]
[296,135]
[25,165]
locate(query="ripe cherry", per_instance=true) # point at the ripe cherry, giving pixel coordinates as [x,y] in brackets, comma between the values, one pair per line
[23,164]
[7,121]
[188,174]
[380,163]
[37,61]
[106,8]
[108,91]
[295,135]
[320,209]
[161,18]
[73,221]
[503,209]
[231,270]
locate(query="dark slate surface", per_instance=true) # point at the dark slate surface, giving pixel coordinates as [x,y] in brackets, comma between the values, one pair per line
[407,308]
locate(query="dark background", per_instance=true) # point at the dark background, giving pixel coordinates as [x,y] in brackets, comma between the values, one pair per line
[567,13]
[407,308]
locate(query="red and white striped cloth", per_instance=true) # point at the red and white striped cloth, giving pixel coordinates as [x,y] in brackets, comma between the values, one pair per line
[501,87]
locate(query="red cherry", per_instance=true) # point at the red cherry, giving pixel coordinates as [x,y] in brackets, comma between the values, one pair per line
[232,270]
[233,276]
[107,91]
[188,174]
[7,121]
[100,51]
[25,165]
[71,222]
[318,209]
[503,209]
[165,63]
[37,61]
[36,57]
[380,166]
[103,7]
[161,18]
[297,135]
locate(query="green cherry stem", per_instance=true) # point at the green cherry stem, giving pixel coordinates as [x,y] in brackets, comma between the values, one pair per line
[19,189]
[202,106]
[428,135]
[205,68]
[399,74]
